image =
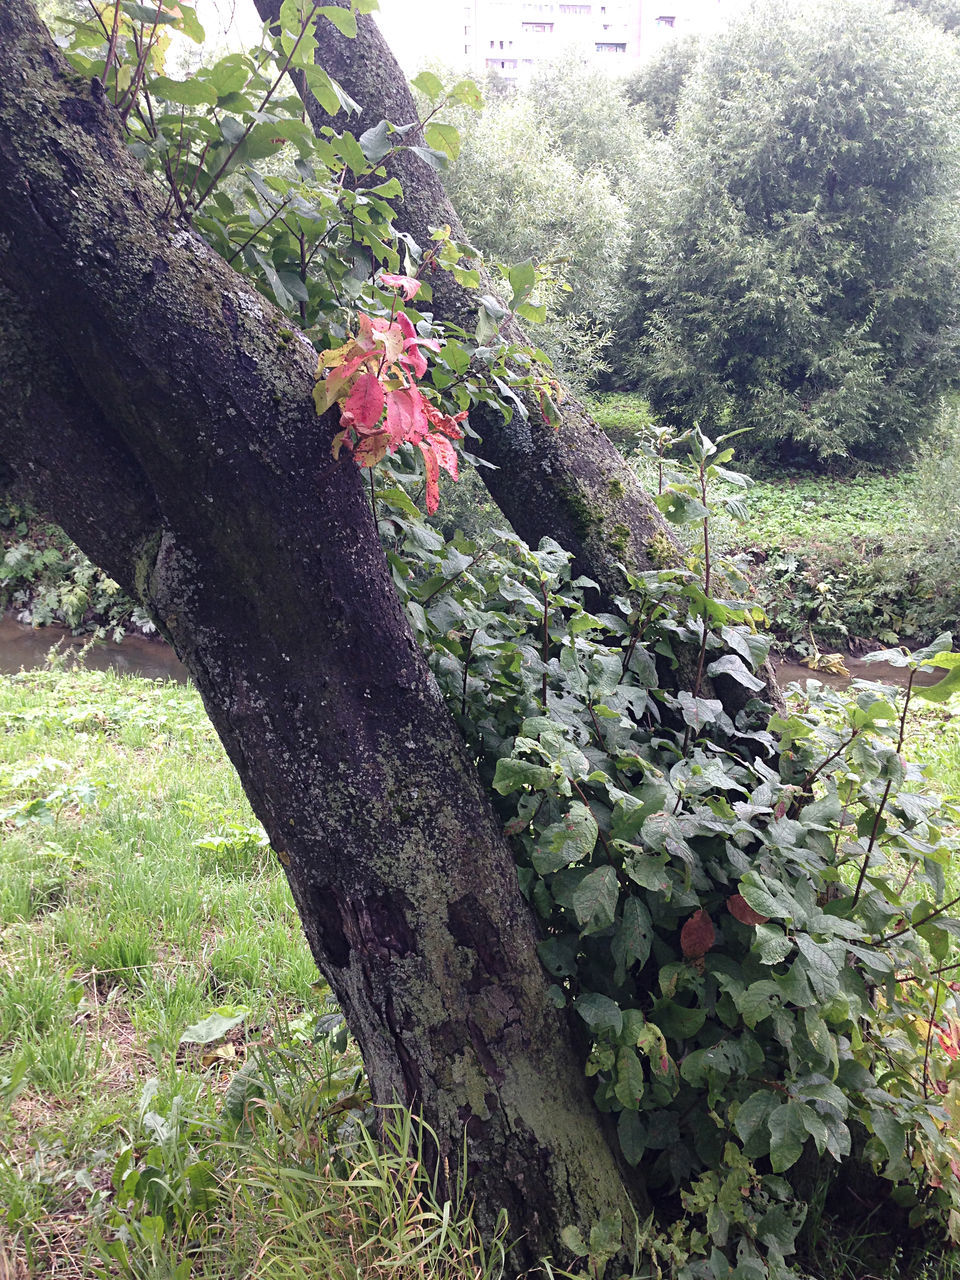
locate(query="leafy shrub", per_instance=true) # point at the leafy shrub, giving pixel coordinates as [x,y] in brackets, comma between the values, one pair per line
[47,579]
[797,267]
[748,920]
[655,88]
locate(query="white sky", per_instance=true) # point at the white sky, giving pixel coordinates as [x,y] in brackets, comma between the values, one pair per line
[418,31]
[415,29]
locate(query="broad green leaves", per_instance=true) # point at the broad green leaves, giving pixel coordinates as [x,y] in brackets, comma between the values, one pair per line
[700,910]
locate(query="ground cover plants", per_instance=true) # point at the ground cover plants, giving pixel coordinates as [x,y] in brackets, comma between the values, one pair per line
[837,561]
[155,989]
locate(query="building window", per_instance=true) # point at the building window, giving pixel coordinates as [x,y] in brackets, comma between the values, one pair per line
[611,46]
[539,28]
[575,8]
[666,20]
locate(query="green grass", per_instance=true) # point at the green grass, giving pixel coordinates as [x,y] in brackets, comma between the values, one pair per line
[807,511]
[138,895]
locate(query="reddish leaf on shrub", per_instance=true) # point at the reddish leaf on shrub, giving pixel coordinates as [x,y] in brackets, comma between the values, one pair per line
[697,936]
[741,910]
[363,407]
[408,286]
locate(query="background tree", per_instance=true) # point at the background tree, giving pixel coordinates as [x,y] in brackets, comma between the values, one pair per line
[943,13]
[656,87]
[800,273]
[522,198]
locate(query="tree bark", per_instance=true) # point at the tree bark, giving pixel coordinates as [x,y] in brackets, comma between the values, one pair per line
[570,483]
[178,443]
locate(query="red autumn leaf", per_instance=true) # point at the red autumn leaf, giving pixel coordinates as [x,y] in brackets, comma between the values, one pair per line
[697,936]
[741,910]
[780,810]
[408,286]
[443,422]
[948,1041]
[372,449]
[433,476]
[406,416]
[446,455]
[363,407]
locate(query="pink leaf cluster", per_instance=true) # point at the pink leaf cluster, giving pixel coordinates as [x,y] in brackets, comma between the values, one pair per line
[373,378]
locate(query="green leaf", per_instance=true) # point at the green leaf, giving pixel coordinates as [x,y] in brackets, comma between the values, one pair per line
[629,1083]
[512,774]
[758,1001]
[428,84]
[435,159]
[676,1021]
[752,1122]
[595,900]
[606,1237]
[188,93]
[731,665]
[532,313]
[788,1133]
[570,840]
[600,1013]
[190,23]
[680,508]
[635,934]
[150,14]
[466,93]
[820,967]
[893,1136]
[523,279]
[944,689]
[342,19]
[632,1136]
[443,137]
[321,86]
[213,1027]
[349,148]
[375,143]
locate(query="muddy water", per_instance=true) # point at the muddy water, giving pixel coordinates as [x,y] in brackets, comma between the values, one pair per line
[881,672]
[26,648]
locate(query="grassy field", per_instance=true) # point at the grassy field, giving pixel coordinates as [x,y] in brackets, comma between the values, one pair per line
[176,1092]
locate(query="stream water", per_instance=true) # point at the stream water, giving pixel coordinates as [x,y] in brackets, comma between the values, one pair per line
[27,648]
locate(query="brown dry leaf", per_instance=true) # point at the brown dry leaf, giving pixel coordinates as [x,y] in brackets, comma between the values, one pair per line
[741,910]
[697,936]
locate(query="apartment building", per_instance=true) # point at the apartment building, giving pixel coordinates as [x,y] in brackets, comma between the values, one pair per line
[510,37]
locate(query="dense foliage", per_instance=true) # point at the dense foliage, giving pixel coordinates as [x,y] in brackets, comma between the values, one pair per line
[655,88]
[944,13]
[749,920]
[550,175]
[800,273]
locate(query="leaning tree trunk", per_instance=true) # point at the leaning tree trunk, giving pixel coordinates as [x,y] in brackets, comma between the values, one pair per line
[152,406]
[569,483]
